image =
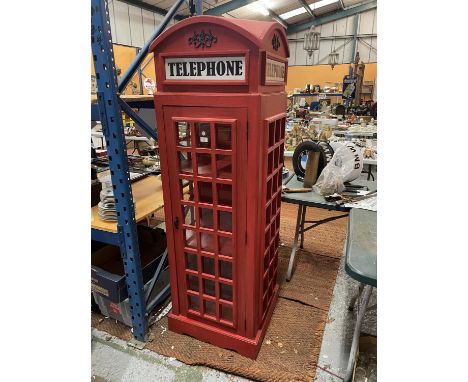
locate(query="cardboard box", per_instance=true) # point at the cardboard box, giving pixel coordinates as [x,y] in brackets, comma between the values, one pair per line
[121,311]
[107,270]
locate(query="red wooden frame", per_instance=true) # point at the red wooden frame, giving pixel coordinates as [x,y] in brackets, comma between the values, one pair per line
[223,141]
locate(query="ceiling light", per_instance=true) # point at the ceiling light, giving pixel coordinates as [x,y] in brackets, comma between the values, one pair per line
[300,11]
[294,12]
[257,7]
[322,3]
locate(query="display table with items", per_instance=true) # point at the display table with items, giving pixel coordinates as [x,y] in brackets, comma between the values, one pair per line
[311,199]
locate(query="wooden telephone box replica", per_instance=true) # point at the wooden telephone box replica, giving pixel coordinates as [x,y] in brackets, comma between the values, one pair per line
[221,113]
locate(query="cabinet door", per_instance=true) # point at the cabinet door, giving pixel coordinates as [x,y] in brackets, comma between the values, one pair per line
[206,149]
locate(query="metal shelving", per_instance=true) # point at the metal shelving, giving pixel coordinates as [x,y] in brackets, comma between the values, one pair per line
[110,114]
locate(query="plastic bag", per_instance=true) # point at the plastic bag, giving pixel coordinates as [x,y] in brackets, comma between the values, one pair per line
[340,169]
[330,180]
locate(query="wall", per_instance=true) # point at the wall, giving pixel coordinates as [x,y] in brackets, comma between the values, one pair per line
[338,35]
[132,25]
[299,76]
[124,56]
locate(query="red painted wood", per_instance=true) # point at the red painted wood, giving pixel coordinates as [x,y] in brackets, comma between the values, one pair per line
[226,139]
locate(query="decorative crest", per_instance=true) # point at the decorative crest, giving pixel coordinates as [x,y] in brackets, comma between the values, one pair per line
[202,39]
[275,42]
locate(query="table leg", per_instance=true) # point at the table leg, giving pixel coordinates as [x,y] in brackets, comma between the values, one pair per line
[357,332]
[294,247]
[304,208]
[353,300]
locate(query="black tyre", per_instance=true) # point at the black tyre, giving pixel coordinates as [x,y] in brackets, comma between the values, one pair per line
[299,158]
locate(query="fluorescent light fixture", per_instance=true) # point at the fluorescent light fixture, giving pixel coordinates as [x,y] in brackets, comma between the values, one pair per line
[313,6]
[322,3]
[294,12]
[258,7]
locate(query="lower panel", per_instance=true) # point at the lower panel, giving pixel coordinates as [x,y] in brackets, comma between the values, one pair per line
[223,339]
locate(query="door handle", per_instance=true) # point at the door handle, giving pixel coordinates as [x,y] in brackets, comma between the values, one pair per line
[176,222]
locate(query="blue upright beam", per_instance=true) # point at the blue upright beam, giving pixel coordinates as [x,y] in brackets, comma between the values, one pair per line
[351,11]
[111,119]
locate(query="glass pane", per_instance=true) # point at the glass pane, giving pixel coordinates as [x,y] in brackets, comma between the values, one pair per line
[189,215]
[225,269]
[207,242]
[210,308]
[224,194]
[281,159]
[206,217]
[266,281]
[226,292]
[205,192]
[270,163]
[267,238]
[225,221]
[267,214]
[203,134]
[271,134]
[208,287]
[266,260]
[278,130]
[223,166]
[190,238]
[268,190]
[223,136]
[204,164]
[226,312]
[276,178]
[225,246]
[192,283]
[194,302]
[185,162]
[208,265]
[276,161]
[183,134]
[191,261]
[187,189]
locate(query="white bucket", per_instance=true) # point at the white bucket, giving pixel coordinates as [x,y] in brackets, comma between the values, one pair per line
[348,152]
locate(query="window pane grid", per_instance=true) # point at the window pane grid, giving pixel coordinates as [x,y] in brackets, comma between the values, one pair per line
[209,217]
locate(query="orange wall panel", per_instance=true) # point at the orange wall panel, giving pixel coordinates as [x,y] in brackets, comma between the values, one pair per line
[124,55]
[299,76]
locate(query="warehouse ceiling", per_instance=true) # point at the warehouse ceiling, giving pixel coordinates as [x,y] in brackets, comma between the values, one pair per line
[293,14]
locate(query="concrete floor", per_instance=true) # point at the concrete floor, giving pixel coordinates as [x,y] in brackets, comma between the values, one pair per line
[114,361]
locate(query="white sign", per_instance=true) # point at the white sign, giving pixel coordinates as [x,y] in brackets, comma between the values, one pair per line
[275,71]
[149,85]
[205,68]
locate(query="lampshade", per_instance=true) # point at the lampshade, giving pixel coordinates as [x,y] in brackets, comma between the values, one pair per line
[311,41]
[333,58]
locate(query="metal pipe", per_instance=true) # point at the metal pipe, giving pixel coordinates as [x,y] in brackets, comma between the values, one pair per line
[138,120]
[357,19]
[199,7]
[307,8]
[140,80]
[144,51]
[357,331]
[300,39]
[162,260]
[150,306]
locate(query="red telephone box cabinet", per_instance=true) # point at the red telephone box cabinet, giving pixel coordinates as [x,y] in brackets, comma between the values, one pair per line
[220,110]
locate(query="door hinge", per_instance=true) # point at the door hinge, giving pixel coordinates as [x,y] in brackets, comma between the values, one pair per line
[247,131]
